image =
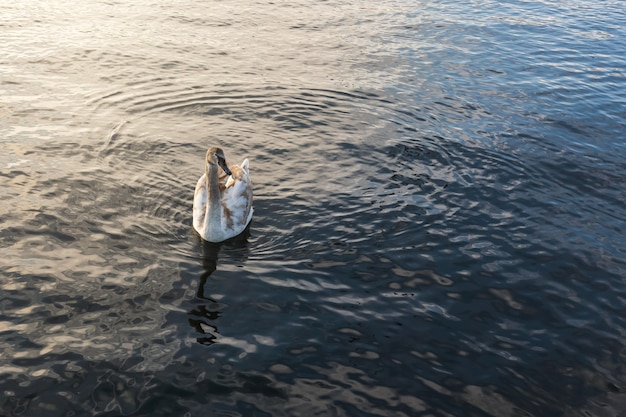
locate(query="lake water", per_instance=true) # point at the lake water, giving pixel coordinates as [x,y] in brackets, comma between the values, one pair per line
[439,223]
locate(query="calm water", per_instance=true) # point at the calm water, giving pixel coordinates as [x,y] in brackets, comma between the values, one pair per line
[439,220]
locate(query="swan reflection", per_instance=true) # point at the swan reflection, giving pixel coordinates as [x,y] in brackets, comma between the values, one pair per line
[203,318]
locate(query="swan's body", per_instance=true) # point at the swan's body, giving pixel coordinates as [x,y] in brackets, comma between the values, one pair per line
[222,203]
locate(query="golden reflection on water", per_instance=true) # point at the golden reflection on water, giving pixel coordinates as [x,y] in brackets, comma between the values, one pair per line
[375,258]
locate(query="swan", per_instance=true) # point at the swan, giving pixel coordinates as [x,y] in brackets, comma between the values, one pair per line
[222,203]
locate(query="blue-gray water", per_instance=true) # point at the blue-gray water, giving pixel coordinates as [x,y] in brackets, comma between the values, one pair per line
[439,222]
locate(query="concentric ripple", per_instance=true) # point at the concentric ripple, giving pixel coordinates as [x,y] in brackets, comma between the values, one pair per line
[438,227]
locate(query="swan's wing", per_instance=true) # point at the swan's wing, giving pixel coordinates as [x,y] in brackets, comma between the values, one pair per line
[244,166]
[237,197]
[199,203]
[240,172]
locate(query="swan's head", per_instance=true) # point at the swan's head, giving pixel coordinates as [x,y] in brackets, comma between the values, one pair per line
[215,156]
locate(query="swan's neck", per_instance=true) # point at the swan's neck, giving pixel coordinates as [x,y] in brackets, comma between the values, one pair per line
[213,215]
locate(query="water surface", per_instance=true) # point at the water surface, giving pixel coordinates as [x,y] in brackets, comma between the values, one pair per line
[439,222]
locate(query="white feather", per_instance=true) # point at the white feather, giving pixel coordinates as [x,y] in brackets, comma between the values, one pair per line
[218,222]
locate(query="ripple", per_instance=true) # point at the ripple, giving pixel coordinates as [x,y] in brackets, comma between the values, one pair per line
[438,209]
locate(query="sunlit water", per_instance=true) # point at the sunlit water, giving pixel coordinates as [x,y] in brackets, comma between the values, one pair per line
[439,208]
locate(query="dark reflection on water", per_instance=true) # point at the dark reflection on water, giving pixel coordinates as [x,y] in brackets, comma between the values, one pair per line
[438,229]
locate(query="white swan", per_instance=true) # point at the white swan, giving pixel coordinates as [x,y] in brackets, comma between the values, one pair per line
[222,203]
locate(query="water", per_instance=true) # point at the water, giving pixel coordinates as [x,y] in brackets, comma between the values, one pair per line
[439,222]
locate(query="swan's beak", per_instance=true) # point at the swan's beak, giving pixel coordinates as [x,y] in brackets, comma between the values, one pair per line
[222,162]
